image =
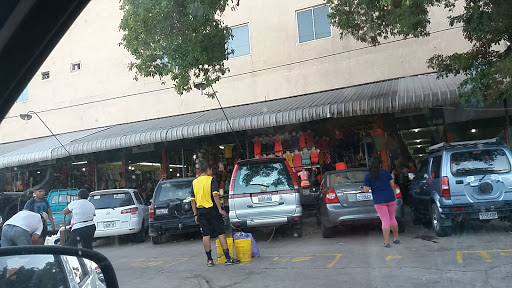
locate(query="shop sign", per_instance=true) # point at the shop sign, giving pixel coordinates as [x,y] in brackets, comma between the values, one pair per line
[143,148]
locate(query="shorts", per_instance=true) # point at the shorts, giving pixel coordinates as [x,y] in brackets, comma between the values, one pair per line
[211,222]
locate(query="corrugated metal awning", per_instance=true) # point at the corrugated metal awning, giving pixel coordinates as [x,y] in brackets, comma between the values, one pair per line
[389,96]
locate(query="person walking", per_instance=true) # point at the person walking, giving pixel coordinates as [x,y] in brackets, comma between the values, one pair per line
[24,228]
[83,228]
[383,191]
[208,213]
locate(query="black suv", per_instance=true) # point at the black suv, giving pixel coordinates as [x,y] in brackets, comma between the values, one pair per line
[171,211]
[10,204]
[463,181]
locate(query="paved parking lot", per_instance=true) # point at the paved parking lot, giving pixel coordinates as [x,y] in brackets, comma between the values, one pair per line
[477,255]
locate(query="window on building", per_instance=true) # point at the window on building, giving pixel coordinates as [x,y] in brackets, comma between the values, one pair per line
[45,75]
[240,42]
[313,24]
[23,96]
[76,66]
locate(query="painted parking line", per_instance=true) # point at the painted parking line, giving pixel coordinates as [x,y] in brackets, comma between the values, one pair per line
[484,254]
[388,258]
[182,260]
[304,257]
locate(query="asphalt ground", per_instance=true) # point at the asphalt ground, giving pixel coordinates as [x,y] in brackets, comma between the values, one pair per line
[478,254]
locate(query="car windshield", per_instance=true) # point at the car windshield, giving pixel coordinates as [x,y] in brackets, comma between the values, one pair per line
[113,200]
[479,162]
[254,177]
[173,190]
[339,178]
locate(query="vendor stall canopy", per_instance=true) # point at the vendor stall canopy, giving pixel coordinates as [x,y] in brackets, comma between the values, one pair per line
[390,96]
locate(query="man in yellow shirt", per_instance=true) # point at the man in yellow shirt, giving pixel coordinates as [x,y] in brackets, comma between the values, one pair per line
[208,213]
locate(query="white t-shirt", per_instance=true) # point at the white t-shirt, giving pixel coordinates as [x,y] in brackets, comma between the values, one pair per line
[83,213]
[27,220]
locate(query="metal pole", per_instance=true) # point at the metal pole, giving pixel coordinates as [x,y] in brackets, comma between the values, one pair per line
[365,149]
[246,147]
[95,177]
[507,120]
[183,162]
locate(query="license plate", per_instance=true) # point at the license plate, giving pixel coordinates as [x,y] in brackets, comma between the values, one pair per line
[265,198]
[488,215]
[109,224]
[161,211]
[364,196]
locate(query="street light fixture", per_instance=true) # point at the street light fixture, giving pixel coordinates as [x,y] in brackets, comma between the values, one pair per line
[27,117]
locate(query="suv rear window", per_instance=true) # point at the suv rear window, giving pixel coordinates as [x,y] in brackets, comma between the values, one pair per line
[114,200]
[63,198]
[478,162]
[255,177]
[173,190]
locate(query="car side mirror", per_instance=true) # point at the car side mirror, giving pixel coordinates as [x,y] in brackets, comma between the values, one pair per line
[54,266]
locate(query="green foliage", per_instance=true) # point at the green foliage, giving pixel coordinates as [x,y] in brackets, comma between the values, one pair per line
[185,39]
[486,24]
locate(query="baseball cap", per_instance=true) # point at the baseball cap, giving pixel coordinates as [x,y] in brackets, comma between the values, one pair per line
[44,215]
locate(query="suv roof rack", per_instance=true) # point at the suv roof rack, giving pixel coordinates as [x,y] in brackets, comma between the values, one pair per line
[444,146]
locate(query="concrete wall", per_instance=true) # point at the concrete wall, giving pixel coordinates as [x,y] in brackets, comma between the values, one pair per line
[104,93]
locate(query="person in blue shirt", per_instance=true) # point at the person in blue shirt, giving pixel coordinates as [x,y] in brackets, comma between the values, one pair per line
[383,191]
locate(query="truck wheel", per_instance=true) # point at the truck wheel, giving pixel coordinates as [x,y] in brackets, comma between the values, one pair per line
[156,239]
[435,215]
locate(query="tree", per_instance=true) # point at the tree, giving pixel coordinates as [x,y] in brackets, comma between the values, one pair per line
[485,24]
[185,39]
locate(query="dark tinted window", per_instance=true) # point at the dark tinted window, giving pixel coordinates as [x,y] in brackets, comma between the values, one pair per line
[422,172]
[257,177]
[173,190]
[436,167]
[138,198]
[114,200]
[478,162]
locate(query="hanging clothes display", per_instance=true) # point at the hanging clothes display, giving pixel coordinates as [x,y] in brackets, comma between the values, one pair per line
[294,141]
[306,160]
[302,140]
[289,158]
[297,161]
[278,146]
[257,148]
[310,142]
[304,181]
[228,151]
[324,144]
[377,135]
[314,157]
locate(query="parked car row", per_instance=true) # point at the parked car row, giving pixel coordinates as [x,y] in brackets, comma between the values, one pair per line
[455,182]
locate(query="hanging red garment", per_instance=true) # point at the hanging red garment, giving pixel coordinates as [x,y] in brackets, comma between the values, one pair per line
[302,140]
[327,157]
[257,149]
[304,175]
[297,161]
[310,142]
[278,146]
[339,135]
[314,157]
[324,145]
